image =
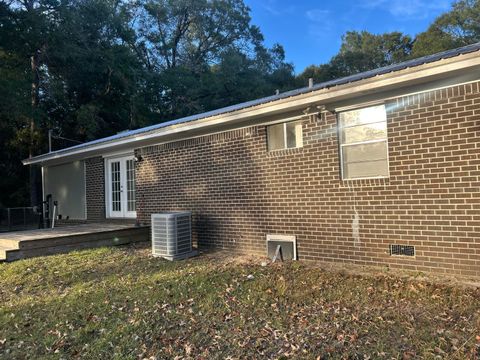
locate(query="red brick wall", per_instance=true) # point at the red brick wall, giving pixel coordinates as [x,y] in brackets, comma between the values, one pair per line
[95,184]
[239,192]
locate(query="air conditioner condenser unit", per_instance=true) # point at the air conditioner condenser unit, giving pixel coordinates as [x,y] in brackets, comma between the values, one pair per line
[172,235]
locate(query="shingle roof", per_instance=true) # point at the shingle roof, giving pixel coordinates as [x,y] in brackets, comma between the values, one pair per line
[324,85]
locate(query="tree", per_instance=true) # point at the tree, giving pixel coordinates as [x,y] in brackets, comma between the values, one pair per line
[91,68]
[239,78]
[26,30]
[458,27]
[362,51]
[235,78]
[192,33]
[64,66]
[14,119]
[206,55]
[95,77]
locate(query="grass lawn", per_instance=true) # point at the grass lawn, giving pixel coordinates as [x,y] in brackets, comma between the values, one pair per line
[121,303]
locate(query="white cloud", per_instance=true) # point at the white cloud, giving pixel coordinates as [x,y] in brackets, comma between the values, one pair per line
[272,7]
[317,15]
[320,22]
[408,9]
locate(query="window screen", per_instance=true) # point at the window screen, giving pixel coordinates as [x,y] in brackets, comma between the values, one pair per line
[363,143]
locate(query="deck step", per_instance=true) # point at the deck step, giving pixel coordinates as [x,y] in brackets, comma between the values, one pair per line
[4,251]
[54,245]
[113,237]
[8,243]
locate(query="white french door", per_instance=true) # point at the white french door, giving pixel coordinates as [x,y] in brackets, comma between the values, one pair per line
[120,187]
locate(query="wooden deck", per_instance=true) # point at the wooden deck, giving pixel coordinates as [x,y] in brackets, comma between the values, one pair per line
[24,244]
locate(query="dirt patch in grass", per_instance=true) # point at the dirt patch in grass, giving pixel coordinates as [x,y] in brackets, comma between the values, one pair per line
[122,303]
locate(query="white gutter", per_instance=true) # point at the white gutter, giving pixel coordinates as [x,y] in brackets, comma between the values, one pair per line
[410,76]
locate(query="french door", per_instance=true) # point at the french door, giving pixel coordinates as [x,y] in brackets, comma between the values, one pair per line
[121,187]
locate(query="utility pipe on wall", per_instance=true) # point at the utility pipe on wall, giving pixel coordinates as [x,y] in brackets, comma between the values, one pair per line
[55,203]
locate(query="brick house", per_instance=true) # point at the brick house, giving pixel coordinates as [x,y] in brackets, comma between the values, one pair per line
[358,169]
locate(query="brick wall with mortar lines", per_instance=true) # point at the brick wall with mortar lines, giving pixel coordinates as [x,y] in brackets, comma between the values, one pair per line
[95,186]
[239,192]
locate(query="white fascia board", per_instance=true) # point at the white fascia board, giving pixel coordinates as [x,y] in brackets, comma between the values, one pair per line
[410,76]
[119,153]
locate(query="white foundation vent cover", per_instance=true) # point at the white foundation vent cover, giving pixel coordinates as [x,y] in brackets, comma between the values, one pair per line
[287,244]
[172,235]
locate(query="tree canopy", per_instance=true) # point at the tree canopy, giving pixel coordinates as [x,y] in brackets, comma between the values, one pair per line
[362,51]
[91,68]
[458,27]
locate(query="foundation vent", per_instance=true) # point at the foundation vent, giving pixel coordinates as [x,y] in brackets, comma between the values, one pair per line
[402,250]
[284,246]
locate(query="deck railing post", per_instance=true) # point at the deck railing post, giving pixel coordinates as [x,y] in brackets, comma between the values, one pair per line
[9,220]
[24,216]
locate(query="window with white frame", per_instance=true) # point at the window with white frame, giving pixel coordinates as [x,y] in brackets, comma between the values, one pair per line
[286,135]
[364,143]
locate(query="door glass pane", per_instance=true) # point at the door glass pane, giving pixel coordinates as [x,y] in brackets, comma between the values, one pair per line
[130,185]
[116,190]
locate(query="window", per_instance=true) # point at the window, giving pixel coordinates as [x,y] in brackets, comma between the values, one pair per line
[363,143]
[285,136]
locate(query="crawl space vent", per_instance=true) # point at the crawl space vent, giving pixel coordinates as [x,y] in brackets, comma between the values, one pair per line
[287,243]
[402,250]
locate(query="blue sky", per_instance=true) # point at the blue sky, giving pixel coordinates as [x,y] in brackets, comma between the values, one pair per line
[310,30]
